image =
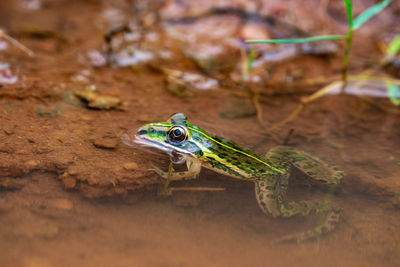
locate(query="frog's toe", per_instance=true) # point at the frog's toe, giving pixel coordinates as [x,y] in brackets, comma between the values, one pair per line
[160,172]
[294,238]
[164,192]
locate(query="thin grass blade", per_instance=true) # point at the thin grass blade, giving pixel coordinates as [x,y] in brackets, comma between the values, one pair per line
[298,40]
[250,60]
[393,91]
[394,46]
[349,9]
[369,13]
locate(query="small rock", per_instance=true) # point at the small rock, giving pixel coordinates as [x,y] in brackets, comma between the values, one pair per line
[7,77]
[107,143]
[69,183]
[182,84]
[43,149]
[253,30]
[6,148]
[31,164]
[96,100]
[96,58]
[73,170]
[91,191]
[62,163]
[8,129]
[51,111]
[130,166]
[20,152]
[61,204]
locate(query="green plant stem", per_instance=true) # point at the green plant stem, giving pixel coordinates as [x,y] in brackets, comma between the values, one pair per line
[345,65]
[250,61]
[298,40]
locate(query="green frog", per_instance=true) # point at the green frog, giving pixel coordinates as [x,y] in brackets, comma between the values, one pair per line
[187,143]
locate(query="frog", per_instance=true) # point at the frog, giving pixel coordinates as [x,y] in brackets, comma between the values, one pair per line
[189,144]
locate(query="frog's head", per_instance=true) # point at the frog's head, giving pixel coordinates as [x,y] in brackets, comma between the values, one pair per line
[176,137]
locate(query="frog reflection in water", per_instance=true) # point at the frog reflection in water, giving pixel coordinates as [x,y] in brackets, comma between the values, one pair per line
[184,142]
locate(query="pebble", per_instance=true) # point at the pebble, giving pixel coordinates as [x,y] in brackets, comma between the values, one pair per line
[6,148]
[43,149]
[130,166]
[254,31]
[107,143]
[69,183]
[32,163]
[8,129]
[73,170]
[61,204]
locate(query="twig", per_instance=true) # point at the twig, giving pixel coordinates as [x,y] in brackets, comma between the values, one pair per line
[16,43]
[197,189]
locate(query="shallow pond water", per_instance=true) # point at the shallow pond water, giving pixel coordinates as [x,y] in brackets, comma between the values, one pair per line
[72,194]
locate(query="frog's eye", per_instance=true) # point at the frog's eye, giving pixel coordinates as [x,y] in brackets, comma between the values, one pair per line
[177,134]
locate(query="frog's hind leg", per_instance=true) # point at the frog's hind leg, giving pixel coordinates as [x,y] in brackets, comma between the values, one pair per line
[271,199]
[271,193]
[331,219]
[310,165]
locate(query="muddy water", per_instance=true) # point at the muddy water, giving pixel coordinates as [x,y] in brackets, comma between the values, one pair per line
[72,194]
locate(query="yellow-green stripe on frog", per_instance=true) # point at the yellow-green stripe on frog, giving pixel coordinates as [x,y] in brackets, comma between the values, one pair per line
[185,142]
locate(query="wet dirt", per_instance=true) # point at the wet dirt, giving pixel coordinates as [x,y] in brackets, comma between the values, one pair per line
[72,194]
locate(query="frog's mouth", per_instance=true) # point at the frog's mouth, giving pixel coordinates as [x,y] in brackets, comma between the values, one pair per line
[145,142]
[154,147]
[133,140]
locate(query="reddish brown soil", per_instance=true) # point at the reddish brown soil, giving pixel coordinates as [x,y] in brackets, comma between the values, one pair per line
[68,196]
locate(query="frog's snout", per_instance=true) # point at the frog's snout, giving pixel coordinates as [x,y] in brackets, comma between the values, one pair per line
[142,131]
[129,138]
[140,136]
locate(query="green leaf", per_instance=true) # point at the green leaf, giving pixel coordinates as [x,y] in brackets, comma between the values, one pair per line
[393,91]
[369,13]
[299,40]
[394,46]
[349,8]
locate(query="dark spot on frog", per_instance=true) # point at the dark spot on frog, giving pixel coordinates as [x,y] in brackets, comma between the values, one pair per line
[142,132]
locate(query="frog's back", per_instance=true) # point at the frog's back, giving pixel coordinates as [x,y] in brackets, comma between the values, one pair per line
[230,159]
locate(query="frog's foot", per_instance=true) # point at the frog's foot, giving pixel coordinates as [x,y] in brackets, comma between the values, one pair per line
[193,170]
[161,173]
[164,191]
[314,167]
[332,218]
[271,200]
